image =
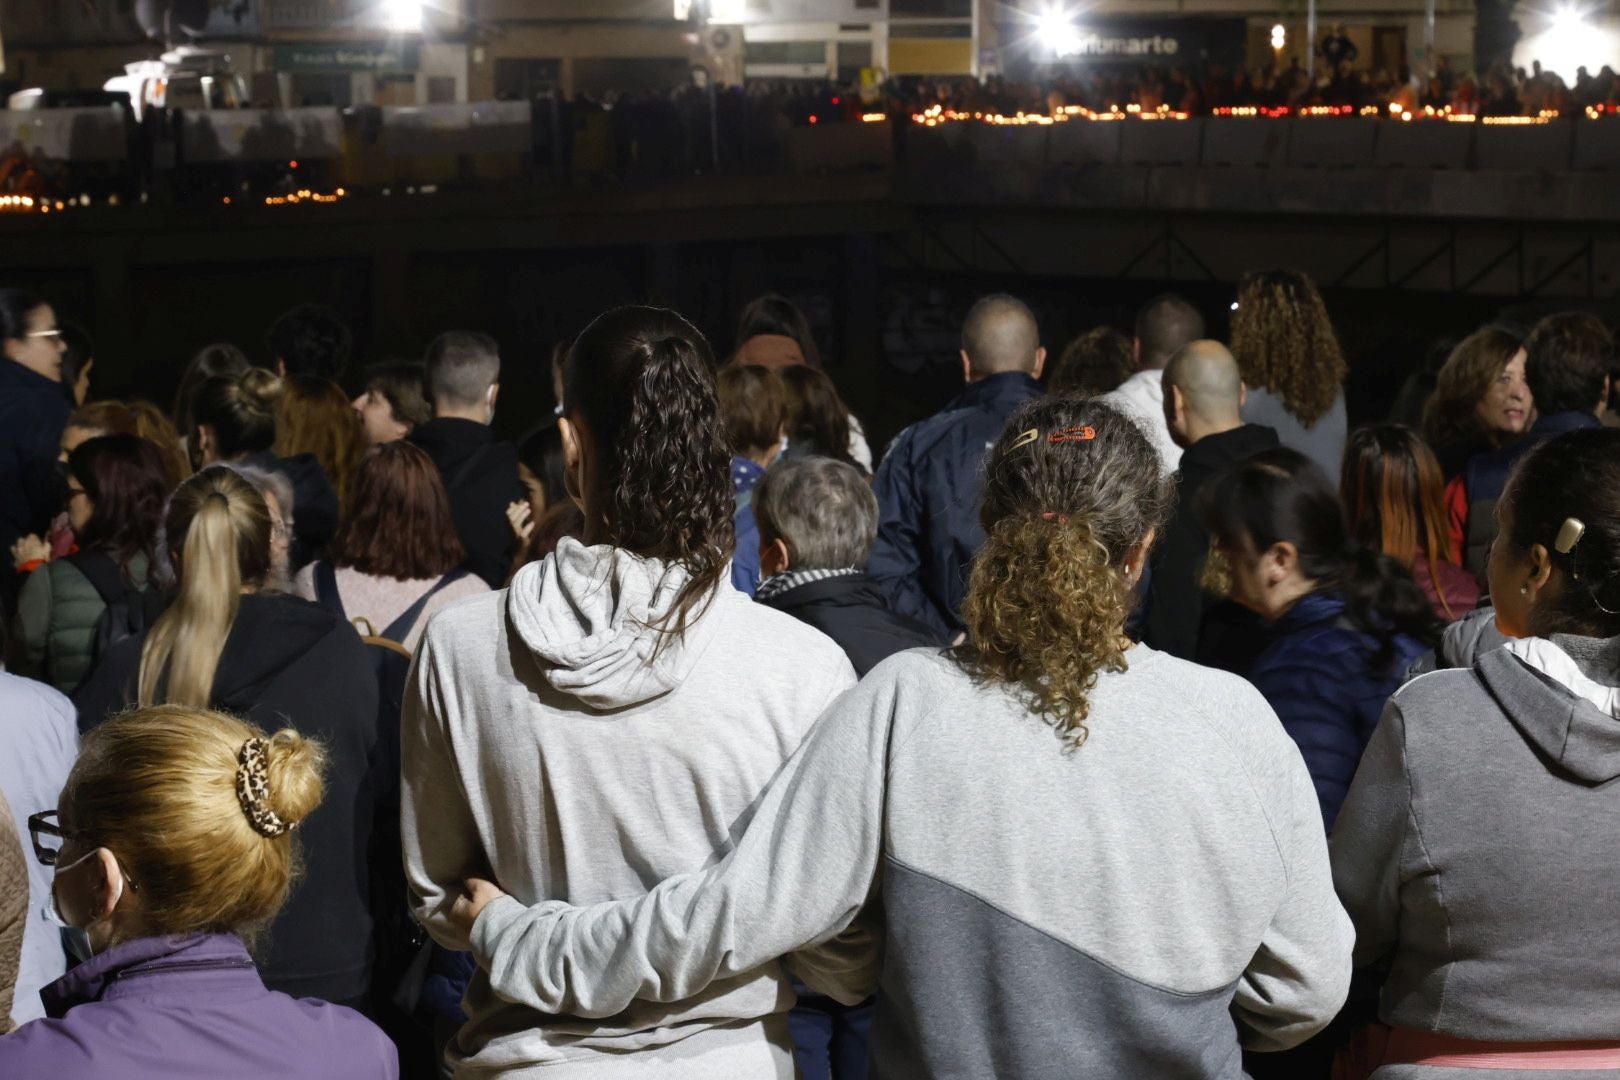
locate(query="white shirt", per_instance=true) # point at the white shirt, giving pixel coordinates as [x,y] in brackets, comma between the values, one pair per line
[1141,397]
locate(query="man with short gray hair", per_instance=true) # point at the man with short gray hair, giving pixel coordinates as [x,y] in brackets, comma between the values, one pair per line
[817,520]
[463,376]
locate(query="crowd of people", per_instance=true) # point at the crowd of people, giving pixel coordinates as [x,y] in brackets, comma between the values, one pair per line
[1134,715]
[1499,90]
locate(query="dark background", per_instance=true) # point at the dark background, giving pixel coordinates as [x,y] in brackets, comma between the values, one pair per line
[887,331]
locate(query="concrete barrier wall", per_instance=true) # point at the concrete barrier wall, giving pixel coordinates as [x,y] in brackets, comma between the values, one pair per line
[91,135]
[261,135]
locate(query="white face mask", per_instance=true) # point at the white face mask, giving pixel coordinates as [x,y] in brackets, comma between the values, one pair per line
[77,937]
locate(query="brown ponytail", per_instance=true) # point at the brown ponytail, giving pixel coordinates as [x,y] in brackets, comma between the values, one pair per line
[642,381]
[1047,600]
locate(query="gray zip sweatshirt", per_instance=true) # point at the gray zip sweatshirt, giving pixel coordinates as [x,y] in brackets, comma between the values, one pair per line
[1476,854]
[1138,907]
[549,744]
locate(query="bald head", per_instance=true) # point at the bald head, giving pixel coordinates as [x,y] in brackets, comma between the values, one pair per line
[1000,335]
[1211,388]
[1165,324]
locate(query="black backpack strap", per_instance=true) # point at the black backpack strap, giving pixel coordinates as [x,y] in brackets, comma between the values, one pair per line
[400,627]
[100,569]
[326,590]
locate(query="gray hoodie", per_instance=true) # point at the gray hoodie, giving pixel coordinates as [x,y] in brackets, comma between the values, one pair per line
[1476,853]
[550,743]
[1139,907]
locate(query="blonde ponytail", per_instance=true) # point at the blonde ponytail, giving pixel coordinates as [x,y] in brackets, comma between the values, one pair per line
[226,526]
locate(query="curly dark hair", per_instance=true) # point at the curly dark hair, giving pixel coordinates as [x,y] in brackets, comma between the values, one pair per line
[1285,344]
[642,381]
[1047,600]
[127,479]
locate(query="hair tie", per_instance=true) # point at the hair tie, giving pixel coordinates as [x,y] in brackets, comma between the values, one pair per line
[1048,515]
[253,788]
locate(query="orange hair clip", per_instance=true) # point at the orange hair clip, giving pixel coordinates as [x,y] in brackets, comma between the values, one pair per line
[1082,433]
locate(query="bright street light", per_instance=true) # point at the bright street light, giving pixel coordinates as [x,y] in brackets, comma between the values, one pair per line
[403,16]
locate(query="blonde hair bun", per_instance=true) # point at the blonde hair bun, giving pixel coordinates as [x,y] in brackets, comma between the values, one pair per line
[294,765]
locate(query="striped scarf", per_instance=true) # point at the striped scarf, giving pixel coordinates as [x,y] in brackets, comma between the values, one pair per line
[777,584]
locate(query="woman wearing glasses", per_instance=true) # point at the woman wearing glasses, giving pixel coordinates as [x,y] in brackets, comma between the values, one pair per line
[116,485]
[33,410]
[173,844]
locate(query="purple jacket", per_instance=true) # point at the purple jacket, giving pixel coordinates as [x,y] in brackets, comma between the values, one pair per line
[189,1008]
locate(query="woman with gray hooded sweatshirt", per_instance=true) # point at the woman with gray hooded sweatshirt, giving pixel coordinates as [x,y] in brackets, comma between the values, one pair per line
[1476,850]
[1090,859]
[612,718]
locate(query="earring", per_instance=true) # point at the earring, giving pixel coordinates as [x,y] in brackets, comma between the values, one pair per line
[1524,590]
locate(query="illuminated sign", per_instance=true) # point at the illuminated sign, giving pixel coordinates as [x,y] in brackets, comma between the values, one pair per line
[1083,44]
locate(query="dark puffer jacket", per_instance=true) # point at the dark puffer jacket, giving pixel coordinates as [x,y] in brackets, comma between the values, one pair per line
[852,611]
[1317,673]
[57,613]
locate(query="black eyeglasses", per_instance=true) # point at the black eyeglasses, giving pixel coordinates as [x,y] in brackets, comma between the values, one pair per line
[46,833]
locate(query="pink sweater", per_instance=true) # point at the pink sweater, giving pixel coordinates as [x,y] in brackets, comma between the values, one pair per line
[381,600]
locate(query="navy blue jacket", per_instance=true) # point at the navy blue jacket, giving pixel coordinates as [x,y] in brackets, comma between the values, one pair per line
[745,476]
[33,410]
[1486,476]
[928,493]
[1316,672]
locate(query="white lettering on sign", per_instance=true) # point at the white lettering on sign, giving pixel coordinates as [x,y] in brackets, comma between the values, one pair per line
[1094,44]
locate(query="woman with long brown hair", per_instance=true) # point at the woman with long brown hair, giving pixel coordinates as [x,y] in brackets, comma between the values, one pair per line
[657,700]
[228,642]
[395,560]
[1394,496]
[1092,859]
[174,843]
[1480,399]
[1292,364]
[315,417]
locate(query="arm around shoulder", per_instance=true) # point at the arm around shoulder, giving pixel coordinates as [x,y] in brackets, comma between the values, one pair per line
[804,868]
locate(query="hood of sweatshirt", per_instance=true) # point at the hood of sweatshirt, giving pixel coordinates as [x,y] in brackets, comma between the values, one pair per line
[1567,729]
[272,632]
[591,615]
